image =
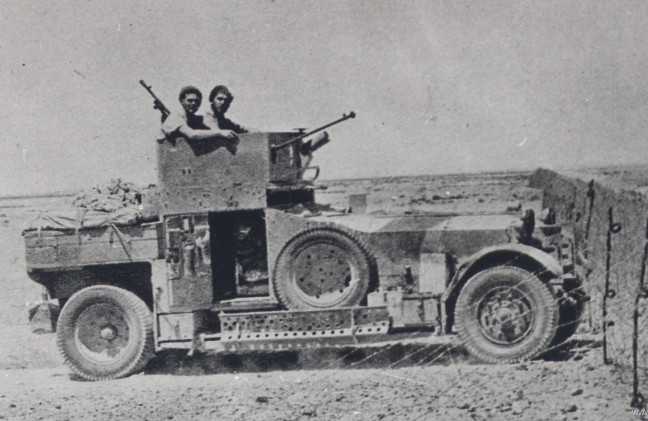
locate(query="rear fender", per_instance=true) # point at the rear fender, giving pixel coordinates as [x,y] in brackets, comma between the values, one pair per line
[61,284]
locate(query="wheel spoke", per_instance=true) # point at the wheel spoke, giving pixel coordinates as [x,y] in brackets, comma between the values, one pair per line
[504,315]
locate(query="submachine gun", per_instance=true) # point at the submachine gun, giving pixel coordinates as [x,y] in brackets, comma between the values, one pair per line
[157,102]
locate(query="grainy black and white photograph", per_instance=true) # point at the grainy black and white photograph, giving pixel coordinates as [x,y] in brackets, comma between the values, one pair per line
[291,210]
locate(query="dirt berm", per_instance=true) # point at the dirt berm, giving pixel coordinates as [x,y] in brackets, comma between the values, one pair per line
[609,213]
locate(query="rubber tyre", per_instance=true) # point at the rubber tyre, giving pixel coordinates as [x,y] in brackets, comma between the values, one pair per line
[543,307]
[77,317]
[348,248]
[570,318]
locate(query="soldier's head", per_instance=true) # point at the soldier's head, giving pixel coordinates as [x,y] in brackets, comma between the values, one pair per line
[190,98]
[220,98]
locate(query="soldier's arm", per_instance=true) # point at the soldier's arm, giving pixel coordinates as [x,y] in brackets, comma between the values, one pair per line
[193,134]
[238,128]
[175,125]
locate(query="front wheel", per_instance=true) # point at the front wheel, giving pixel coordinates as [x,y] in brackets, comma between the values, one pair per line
[571,314]
[105,332]
[506,314]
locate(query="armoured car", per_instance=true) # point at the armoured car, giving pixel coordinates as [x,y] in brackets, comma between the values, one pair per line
[242,257]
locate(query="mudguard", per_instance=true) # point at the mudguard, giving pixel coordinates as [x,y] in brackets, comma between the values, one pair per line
[492,256]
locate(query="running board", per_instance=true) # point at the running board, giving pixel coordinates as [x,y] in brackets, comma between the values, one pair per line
[301,328]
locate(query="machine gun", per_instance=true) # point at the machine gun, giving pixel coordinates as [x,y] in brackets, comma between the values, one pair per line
[319,142]
[157,103]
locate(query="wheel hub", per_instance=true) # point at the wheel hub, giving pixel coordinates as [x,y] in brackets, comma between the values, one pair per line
[102,332]
[505,315]
[109,333]
[324,273]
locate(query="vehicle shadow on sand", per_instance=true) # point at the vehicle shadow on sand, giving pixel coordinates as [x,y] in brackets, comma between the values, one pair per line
[176,362]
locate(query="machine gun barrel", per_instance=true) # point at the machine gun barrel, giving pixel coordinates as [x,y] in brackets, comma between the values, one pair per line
[157,102]
[288,142]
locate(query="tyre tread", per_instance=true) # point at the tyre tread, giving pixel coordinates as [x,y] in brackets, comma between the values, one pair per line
[133,302]
[542,345]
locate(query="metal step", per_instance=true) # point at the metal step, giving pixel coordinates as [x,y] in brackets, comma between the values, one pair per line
[301,328]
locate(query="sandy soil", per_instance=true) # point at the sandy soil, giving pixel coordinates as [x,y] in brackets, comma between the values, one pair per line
[389,382]
[541,390]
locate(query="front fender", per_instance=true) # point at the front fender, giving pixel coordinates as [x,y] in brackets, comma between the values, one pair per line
[520,255]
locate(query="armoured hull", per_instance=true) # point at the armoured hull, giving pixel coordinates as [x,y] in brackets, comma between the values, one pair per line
[405,247]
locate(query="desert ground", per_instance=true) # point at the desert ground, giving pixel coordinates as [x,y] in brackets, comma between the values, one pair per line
[398,380]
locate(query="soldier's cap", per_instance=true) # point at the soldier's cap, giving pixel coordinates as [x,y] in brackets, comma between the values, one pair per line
[223,89]
[189,89]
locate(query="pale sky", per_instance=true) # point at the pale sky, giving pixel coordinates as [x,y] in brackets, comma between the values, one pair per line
[438,86]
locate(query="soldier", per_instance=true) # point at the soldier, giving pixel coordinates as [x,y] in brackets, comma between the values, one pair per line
[191,125]
[220,99]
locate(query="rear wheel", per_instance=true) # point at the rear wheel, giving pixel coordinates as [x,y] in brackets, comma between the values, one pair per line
[506,314]
[105,332]
[320,269]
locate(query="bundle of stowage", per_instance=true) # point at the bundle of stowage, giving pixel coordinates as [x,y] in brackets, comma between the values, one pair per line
[115,203]
[115,195]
